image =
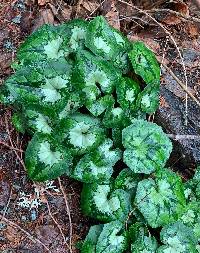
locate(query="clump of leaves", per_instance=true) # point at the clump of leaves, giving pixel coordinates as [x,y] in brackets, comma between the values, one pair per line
[82,91]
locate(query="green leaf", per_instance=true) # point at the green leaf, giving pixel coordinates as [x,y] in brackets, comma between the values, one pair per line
[112,238]
[19,122]
[89,244]
[108,42]
[178,238]
[81,132]
[142,240]
[148,99]
[98,165]
[144,63]
[127,180]
[53,42]
[161,201]
[147,147]
[127,93]
[100,202]
[95,77]
[108,238]
[191,217]
[46,159]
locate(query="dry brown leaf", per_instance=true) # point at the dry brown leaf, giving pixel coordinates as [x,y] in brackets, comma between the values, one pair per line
[66,12]
[44,17]
[42,2]
[90,6]
[113,17]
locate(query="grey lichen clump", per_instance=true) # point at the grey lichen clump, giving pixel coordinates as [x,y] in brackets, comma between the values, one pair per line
[82,91]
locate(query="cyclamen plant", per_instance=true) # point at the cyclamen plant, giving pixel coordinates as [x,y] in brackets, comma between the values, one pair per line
[82,90]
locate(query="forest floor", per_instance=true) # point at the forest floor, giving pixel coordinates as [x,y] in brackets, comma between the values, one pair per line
[41,217]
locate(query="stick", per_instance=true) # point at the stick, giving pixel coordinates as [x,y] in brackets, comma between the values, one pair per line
[69,215]
[181,84]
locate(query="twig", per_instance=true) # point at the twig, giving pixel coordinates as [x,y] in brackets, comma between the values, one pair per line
[57,224]
[183,137]
[6,207]
[12,145]
[181,84]
[177,48]
[33,239]
[69,215]
[188,18]
[91,13]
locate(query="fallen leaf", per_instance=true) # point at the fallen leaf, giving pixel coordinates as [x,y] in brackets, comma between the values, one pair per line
[42,2]
[90,6]
[44,17]
[5,61]
[66,12]
[113,17]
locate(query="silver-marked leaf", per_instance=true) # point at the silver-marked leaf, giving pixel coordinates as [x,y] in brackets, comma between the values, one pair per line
[178,238]
[144,63]
[162,200]
[46,159]
[100,202]
[147,146]
[81,132]
[112,238]
[141,239]
[108,42]
[89,244]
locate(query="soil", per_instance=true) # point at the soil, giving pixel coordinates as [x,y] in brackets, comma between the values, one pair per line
[48,219]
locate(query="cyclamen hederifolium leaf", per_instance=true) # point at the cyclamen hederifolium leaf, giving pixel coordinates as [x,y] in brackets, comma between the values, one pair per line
[107,238]
[192,187]
[100,202]
[45,86]
[141,239]
[98,165]
[191,217]
[52,42]
[127,180]
[96,78]
[89,244]
[112,238]
[105,41]
[81,133]
[147,146]
[115,116]
[46,159]
[145,64]
[19,122]
[127,92]
[178,238]
[161,201]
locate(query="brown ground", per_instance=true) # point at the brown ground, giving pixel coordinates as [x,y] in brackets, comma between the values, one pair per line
[18,18]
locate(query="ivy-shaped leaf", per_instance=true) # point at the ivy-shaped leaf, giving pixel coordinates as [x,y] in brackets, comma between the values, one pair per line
[46,159]
[112,238]
[107,42]
[147,147]
[98,165]
[161,201]
[52,42]
[89,244]
[127,180]
[144,63]
[142,240]
[81,132]
[127,93]
[177,238]
[100,202]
